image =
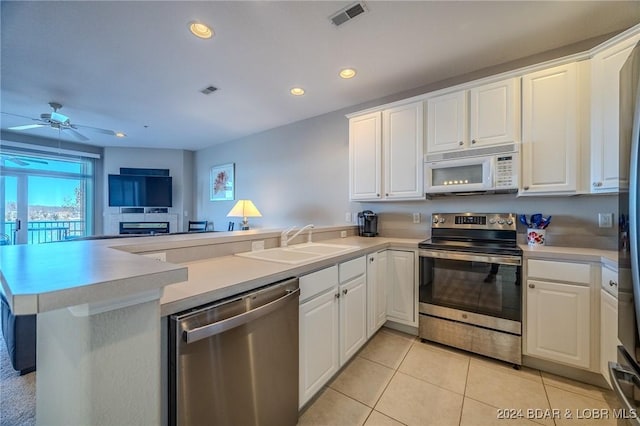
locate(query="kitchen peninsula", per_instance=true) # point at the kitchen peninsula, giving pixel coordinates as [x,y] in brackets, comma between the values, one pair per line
[99,303]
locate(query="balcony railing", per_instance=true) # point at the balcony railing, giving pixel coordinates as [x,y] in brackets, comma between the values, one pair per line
[39,232]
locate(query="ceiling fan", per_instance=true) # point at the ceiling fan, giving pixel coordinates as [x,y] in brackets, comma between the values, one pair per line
[56,120]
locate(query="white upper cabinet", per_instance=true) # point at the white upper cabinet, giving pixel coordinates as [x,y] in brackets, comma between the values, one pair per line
[606,175]
[447,128]
[495,113]
[403,149]
[550,131]
[385,154]
[481,116]
[365,157]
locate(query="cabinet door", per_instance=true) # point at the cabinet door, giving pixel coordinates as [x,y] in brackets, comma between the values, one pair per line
[365,157]
[376,292]
[401,301]
[550,131]
[353,317]
[558,322]
[447,122]
[608,332]
[606,143]
[495,113]
[319,351]
[402,143]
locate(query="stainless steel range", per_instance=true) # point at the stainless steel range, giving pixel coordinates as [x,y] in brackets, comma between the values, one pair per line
[470,284]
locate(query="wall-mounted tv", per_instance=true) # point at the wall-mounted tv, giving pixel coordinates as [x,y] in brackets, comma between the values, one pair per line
[140,191]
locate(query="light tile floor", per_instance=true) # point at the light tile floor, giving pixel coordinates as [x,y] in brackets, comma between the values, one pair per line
[398,380]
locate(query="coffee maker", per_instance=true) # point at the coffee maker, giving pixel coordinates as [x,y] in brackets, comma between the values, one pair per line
[367,224]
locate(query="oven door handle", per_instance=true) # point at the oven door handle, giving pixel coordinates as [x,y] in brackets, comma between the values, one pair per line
[472,257]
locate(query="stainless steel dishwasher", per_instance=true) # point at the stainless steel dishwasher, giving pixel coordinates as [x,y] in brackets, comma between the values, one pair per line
[235,362]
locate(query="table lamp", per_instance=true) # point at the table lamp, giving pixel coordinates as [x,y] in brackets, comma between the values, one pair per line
[244,209]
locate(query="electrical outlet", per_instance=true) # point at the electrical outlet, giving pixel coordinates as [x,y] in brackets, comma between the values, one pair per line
[416,218]
[343,234]
[257,245]
[605,220]
[355,217]
[347,217]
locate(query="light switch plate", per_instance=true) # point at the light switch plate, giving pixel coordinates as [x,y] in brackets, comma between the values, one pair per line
[347,217]
[605,220]
[416,218]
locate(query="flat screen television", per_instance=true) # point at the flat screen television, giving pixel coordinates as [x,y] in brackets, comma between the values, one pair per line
[140,191]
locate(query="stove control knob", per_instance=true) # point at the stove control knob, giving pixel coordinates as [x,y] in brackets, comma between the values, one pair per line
[442,219]
[492,221]
[509,222]
[435,219]
[500,221]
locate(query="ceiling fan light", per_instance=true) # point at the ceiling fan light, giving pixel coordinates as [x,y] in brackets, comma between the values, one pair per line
[200,30]
[59,118]
[120,135]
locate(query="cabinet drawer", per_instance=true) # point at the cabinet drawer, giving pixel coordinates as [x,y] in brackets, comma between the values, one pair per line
[559,271]
[352,269]
[318,282]
[610,281]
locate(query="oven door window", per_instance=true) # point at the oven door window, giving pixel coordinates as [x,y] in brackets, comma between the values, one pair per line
[484,288]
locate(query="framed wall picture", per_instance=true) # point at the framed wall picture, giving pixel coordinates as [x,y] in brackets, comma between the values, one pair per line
[222,184]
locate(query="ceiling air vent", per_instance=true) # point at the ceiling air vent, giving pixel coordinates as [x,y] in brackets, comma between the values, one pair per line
[208,90]
[348,14]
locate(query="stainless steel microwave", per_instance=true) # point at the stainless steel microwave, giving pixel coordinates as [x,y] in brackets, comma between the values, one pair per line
[488,170]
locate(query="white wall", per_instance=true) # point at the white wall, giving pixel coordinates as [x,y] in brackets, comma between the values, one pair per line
[180,165]
[295,174]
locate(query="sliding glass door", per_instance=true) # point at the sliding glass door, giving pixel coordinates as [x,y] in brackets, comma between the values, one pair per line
[44,199]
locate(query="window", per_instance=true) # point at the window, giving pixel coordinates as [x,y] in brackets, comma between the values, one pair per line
[52,194]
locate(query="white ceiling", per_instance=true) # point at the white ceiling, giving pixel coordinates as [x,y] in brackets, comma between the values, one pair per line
[132,66]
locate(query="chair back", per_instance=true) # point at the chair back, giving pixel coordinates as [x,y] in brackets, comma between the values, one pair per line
[197,225]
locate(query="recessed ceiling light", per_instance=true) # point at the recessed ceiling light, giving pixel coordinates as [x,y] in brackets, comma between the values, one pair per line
[297,91]
[120,135]
[200,30]
[347,73]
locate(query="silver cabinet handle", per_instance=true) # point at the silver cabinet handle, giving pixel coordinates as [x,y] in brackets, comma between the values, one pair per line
[371,259]
[209,330]
[526,188]
[460,143]
[612,283]
[532,286]
[473,141]
[337,295]
[345,291]
[597,184]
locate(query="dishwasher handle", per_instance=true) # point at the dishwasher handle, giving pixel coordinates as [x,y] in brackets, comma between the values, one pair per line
[218,327]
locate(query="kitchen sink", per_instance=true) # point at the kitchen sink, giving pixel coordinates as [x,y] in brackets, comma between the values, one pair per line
[298,253]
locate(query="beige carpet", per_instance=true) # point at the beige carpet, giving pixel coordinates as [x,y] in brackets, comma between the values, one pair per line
[17,393]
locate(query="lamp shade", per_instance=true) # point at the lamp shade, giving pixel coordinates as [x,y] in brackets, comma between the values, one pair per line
[244,208]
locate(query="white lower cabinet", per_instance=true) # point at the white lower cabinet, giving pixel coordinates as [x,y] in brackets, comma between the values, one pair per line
[318,331]
[608,320]
[353,317]
[401,295]
[376,291]
[333,322]
[559,312]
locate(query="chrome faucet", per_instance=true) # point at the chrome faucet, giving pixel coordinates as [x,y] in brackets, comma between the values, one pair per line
[284,236]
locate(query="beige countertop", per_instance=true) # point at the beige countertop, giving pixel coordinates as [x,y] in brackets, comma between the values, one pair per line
[607,257]
[40,278]
[220,277]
